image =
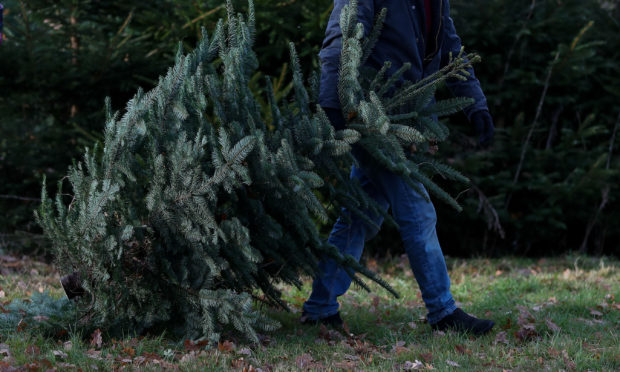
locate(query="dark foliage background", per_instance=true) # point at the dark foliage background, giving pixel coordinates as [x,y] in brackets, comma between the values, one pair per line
[61,58]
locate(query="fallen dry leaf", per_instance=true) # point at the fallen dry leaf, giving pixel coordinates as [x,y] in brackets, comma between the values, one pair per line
[347,365]
[21,326]
[427,357]
[461,349]
[226,346]
[194,346]
[595,312]
[66,365]
[399,348]
[525,317]
[552,326]
[4,350]
[451,363]
[40,318]
[129,351]
[60,354]
[32,350]
[501,337]
[570,365]
[526,332]
[409,366]
[245,351]
[95,339]
[94,354]
[190,358]
[304,360]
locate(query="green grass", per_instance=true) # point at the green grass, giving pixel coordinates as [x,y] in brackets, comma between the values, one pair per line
[569,305]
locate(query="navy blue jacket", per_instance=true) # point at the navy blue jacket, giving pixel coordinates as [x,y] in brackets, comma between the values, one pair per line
[402,40]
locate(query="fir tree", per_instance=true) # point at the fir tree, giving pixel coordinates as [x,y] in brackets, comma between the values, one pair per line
[197,204]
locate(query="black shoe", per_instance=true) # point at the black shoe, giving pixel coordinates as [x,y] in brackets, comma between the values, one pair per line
[72,285]
[332,320]
[460,321]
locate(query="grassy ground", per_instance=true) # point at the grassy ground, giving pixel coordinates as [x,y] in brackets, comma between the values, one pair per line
[551,314]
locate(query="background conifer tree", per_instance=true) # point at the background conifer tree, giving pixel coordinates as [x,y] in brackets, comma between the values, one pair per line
[197,202]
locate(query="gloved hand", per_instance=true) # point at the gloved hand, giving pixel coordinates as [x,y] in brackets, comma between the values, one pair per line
[483,124]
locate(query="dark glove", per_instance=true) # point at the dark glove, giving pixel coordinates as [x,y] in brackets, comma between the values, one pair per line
[483,124]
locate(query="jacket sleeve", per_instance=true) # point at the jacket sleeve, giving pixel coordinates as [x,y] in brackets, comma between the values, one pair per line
[470,87]
[332,45]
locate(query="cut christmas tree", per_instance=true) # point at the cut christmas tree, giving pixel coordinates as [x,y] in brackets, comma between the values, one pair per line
[197,205]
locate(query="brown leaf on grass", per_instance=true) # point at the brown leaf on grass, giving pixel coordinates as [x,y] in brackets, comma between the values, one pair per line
[125,361]
[399,348]
[226,346]
[552,326]
[21,326]
[94,354]
[65,366]
[526,332]
[525,317]
[501,337]
[95,339]
[508,324]
[346,329]
[304,361]
[595,312]
[32,350]
[189,358]
[264,339]
[347,365]
[129,351]
[245,351]
[410,366]
[194,346]
[591,322]
[7,258]
[139,360]
[329,335]
[7,367]
[461,349]
[5,350]
[46,363]
[33,367]
[60,354]
[570,365]
[427,357]
[452,363]
[150,357]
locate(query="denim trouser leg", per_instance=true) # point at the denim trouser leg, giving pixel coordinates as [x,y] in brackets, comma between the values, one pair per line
[416,218]
[349,237]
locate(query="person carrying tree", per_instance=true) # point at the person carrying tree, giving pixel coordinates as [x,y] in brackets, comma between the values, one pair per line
[422,33]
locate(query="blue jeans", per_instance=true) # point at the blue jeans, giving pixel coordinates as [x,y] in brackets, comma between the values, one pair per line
[416,218]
